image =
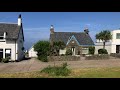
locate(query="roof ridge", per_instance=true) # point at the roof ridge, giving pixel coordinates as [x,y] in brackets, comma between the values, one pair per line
[7,23]
[69,32]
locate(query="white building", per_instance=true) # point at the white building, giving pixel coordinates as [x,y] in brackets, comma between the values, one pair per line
[32,53]
[112,46]
[12,40]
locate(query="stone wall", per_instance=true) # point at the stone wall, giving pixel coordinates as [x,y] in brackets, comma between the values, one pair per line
[63,58]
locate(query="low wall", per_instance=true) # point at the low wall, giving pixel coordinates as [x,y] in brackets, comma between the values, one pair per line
[63,58]
[97,57]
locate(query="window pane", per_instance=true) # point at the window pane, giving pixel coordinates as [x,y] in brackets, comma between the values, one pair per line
[8,53]
[118,36]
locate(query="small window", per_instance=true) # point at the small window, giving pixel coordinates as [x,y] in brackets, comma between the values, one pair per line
[1,37]
[117,35]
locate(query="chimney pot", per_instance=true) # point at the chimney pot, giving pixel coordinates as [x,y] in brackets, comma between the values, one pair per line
[52,29]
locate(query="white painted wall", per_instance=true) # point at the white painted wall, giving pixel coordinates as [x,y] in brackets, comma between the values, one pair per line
[114,40]
[107,47]
[32,53]
[8,45]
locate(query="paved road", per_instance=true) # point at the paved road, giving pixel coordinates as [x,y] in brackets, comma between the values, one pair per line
[36,65]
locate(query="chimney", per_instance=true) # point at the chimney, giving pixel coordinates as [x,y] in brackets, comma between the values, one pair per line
[51,29]
[19,20]
[86,31]
[4,35]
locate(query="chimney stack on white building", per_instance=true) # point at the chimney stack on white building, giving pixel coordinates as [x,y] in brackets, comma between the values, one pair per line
[19,20]
[4,35]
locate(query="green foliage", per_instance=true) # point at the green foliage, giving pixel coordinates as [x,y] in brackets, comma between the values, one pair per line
[59,44]
[91,50]
[102,51]
[69,52]
[54,49]
[57,71]
[5,60]
[43,58]
[42,48]
[104,36]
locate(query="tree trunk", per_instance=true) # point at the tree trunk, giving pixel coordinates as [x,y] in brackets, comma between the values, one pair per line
[103,45]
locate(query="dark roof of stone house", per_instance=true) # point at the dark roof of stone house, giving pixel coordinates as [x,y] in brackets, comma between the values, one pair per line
[12,30]
[82,37]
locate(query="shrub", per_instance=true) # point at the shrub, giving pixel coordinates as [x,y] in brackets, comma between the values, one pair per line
[62,54]
[5,60]
[43,58]
[42,48]
[91,50]
[102,51]
[58,71]
[69,52]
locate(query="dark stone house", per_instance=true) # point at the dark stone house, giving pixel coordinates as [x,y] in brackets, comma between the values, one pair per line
[78,42]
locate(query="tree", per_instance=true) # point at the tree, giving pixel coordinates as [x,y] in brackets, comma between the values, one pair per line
[42,48]
[104,36]
[55,48]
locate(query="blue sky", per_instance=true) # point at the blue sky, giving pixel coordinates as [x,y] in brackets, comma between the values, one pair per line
[36,25]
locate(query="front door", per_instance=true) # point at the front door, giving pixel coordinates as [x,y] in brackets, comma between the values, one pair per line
[117,48]
[1,53]
[73,50]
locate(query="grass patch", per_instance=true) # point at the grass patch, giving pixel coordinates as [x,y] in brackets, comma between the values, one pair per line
[97,73]
[75,73]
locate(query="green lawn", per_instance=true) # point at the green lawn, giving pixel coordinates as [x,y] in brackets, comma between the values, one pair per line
[76,73]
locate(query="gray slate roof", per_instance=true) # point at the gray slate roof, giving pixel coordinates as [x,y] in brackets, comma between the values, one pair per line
[11,29]
[82,37]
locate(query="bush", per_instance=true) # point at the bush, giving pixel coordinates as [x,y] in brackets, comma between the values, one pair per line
[91,50]
[102,51]
[5,60]
[43,58]
[58,71]
[69,52]
[42,48]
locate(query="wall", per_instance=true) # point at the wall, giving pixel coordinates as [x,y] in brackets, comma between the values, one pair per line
[8,45]
[114,41]
[32,53]
[100,46]
[63,58]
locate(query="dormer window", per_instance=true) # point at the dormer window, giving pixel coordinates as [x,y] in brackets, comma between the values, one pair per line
[2,37]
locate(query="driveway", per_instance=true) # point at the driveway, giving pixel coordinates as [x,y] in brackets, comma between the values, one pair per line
[36,65]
